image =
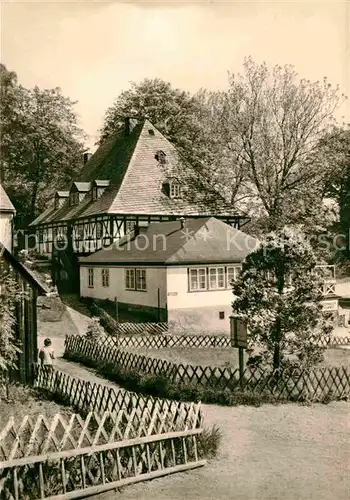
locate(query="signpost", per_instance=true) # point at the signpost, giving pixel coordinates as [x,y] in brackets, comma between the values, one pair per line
[238,330]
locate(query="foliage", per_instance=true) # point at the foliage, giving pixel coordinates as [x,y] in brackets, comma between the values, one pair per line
[284,319]
[252,146]
[41,143]
[169,109]
[105,319]
[334,149]
[209,442]
[10,297]
[94,330]
[160,386]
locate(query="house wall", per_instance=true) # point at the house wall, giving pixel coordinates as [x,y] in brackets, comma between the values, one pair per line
[6,229]
[155,279]
[197,310]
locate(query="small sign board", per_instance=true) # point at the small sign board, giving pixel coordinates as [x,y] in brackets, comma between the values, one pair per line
[238,331]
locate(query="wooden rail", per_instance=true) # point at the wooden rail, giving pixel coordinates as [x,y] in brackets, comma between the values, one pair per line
[82,469]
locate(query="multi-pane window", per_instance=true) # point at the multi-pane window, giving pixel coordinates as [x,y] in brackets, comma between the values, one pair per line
[141,280]
[105,277]
[91,277]
[175,190]
[212,278]
[233,273]
[135,279]
[130,279]
[198,279]
[216,278]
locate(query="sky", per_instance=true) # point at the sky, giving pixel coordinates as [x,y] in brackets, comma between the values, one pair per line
[94,49]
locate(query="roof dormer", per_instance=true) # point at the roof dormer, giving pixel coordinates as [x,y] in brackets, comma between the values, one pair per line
[172,188]
[60,198]
[78,192]
[98,187]
[160,156]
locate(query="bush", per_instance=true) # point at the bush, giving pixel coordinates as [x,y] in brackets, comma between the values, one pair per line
[208,442]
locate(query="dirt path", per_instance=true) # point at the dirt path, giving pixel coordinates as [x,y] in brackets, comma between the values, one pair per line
[286,452]
[81,371]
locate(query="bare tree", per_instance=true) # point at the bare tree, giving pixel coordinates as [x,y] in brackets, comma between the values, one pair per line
[273,123]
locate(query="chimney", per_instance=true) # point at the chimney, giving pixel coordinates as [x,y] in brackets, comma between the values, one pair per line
[87,157]
[127,125]
[182,222]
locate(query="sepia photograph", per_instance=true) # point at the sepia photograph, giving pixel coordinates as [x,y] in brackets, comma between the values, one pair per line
[174,249]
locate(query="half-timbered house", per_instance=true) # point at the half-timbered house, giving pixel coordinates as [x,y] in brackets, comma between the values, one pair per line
[130,181]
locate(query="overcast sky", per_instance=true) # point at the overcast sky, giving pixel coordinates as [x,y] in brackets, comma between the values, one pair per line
[92,50]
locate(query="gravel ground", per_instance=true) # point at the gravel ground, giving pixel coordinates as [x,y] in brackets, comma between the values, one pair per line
[286,452]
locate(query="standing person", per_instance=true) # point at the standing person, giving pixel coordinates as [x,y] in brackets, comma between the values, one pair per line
[46,355]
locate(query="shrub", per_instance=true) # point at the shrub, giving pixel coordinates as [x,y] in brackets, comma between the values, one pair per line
[208,442]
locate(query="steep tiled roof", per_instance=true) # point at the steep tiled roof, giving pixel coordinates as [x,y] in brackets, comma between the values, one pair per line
[136,178]
[205,240]
[5,202]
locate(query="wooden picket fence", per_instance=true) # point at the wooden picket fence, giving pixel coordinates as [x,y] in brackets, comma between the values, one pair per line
[142,328]
[74,457]
[155,341]
[163,341]
[142,415]
[315,384]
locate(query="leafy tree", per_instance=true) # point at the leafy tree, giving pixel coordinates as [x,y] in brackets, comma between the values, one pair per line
[192,124]
[279,298]
[9,297]
[275,121]
[251,146]
[41,148]
[334,150]
[169,109]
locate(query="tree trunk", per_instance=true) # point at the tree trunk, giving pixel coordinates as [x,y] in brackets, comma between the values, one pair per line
[277,356]
[33,200]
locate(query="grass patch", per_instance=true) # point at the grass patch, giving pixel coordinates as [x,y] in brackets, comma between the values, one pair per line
[226,357]
[24,400]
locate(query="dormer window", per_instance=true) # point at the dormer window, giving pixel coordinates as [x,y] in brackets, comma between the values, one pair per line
[174,189]
[98,188]
[160,156]
[74,199]
[60,198]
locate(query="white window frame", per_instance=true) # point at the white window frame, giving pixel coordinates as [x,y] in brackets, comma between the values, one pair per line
[175,189]
[236,272]
[141,280]
[105,277]
[91,277]
[130,279]
[210,274]
[195,272]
